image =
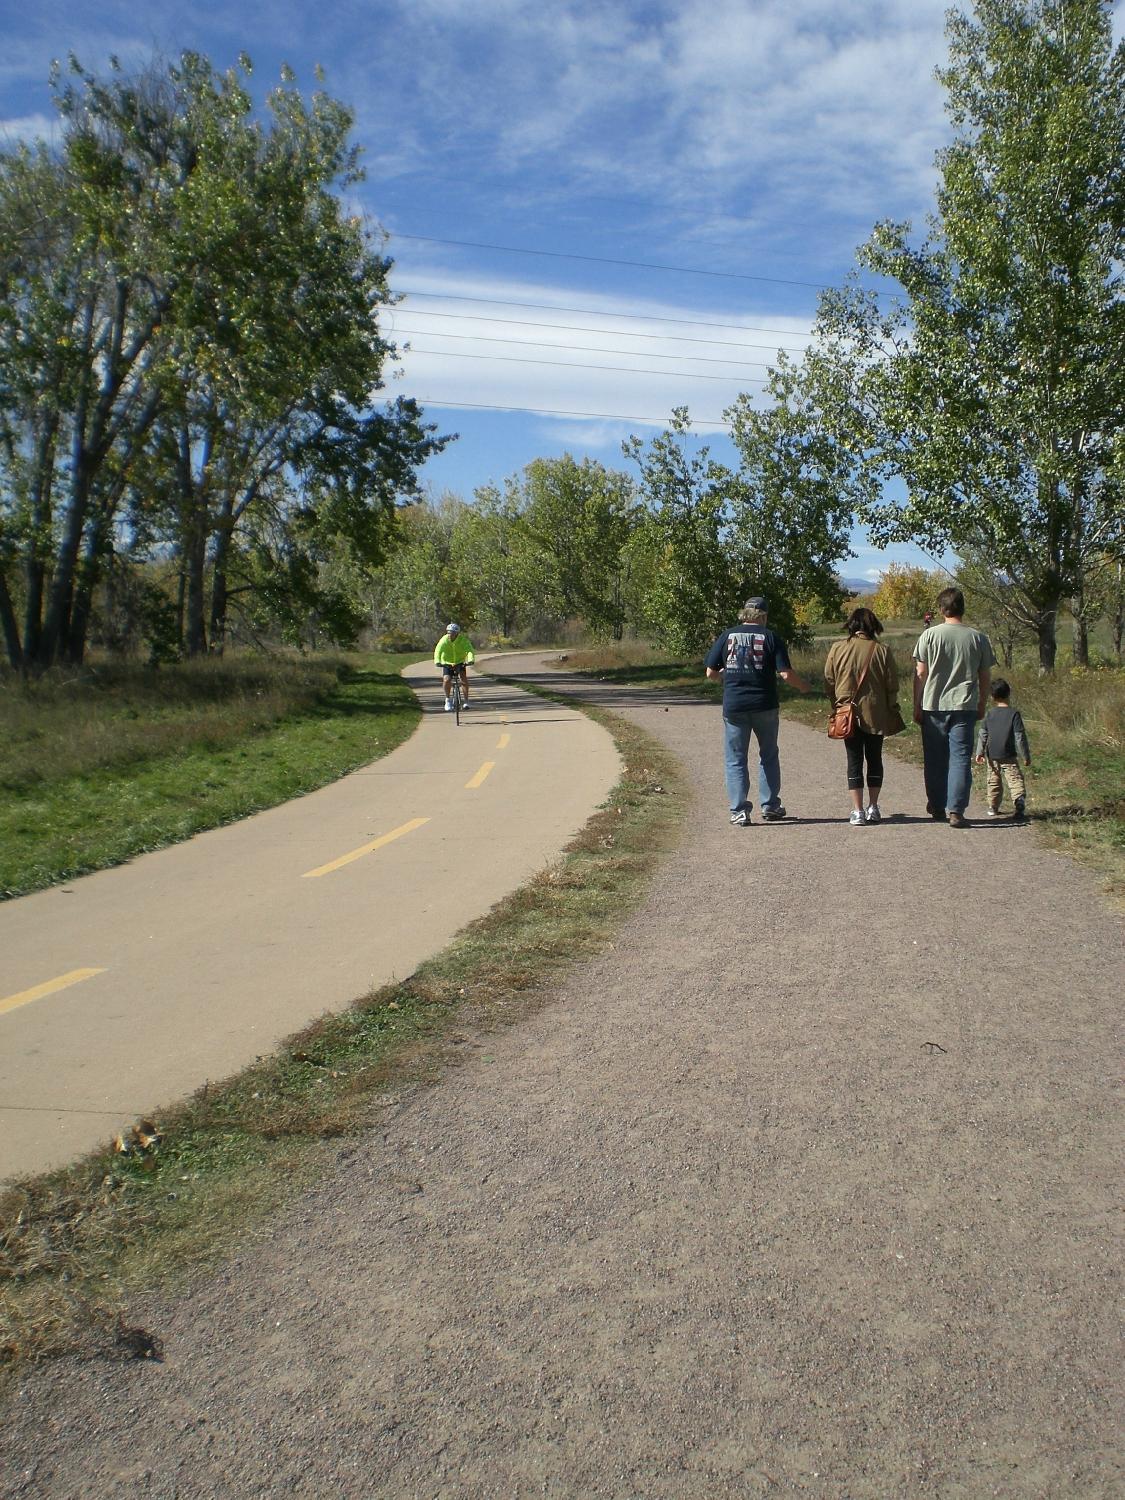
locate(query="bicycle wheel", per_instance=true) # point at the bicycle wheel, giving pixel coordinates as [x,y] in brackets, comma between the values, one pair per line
[455,694]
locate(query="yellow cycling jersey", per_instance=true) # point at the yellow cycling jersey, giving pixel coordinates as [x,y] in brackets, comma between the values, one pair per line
[452,650]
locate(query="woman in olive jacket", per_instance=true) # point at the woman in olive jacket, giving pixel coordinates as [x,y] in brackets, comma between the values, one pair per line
[876,705]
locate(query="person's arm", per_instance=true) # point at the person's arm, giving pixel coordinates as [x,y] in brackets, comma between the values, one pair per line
[984,682]
[437,652]
[921,672]
[712,670]
[981,743]
[1023,749]
[784,669]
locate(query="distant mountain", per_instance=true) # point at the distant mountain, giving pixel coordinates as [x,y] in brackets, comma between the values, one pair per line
[858,585]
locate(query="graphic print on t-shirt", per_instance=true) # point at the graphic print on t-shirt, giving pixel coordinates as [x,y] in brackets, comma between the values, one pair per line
[746,652]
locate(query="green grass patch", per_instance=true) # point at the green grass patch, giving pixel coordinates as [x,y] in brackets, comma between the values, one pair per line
[1075,722]
[75,1244]
[97,768]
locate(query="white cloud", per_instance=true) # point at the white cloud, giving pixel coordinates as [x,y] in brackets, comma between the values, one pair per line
[28,128]
[815,107]
[482,342]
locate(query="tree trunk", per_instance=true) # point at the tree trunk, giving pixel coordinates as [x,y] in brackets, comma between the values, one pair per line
[193,511]
[219,594]
[1048,646]
[35,572]
[195,559]
[1081,637]
[181,601]
[11,628]
[86,578]
[56,625]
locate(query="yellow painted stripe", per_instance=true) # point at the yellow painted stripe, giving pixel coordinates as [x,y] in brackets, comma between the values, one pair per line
[63,982]
[479,777]
[503,741]
[346,859]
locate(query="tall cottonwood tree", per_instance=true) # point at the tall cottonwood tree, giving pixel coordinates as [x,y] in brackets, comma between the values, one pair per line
[991,397]
[189,343]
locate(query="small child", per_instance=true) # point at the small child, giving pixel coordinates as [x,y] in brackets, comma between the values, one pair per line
[1002,740]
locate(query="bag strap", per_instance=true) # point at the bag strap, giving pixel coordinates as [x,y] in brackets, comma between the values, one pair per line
[863,674]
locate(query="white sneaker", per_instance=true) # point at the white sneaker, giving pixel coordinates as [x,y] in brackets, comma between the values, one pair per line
[464,704]
[874,815]
[856,819]
[993,812]
[448,706]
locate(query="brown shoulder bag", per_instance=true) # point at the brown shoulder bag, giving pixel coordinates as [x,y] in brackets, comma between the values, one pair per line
[843,721]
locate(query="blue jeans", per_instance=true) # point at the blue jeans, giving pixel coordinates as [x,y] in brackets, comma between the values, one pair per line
[737,729]
[947,749]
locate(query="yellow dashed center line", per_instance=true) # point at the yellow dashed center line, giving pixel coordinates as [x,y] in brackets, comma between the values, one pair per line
[346,859]
[479,777]
[503,741]
[63,982]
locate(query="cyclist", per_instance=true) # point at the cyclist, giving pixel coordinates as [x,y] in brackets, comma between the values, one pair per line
[452,654]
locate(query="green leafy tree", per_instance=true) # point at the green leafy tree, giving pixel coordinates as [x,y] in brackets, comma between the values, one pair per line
[189,336]
[420,587]
[991,398]
[580,517]
[697,577]
[494,554]
[777,526]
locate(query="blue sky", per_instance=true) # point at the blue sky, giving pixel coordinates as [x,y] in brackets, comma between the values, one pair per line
[664,185]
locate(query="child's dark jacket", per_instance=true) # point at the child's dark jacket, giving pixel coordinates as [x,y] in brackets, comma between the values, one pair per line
[1001,736]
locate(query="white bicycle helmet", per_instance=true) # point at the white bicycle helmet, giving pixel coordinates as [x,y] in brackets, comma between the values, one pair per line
[452,628]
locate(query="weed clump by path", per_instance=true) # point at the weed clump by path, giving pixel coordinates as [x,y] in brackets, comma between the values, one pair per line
[187,1187]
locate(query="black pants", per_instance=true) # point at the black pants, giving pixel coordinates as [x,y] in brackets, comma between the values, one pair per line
[861,744]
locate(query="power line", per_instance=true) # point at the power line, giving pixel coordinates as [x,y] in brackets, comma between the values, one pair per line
[751,364]
[543,411]
[603,260]
[670,338]
[595,312]
[566,364]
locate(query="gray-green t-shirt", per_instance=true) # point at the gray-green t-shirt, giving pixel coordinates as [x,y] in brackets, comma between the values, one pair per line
[954,655]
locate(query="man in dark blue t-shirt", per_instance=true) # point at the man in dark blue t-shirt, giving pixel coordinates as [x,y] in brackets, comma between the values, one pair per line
[749,659]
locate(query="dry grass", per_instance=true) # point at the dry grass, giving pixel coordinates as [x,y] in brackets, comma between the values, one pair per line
[70,722]
[98,768]
[76,1243]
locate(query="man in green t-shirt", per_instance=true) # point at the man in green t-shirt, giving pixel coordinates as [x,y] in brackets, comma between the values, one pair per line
[952,671]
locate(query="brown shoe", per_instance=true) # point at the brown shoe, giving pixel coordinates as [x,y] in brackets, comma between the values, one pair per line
[957,820]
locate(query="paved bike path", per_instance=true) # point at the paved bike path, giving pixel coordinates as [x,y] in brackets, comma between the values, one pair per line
[187,963]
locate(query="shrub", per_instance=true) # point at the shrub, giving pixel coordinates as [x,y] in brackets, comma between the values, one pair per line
[400,640]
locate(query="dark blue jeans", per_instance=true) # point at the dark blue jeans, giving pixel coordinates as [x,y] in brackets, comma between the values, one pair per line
[738,725]
[947,756]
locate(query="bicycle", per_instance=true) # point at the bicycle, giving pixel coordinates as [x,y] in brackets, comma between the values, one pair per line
[456,693]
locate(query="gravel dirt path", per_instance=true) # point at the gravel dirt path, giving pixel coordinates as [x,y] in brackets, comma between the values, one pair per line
[805,1187]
